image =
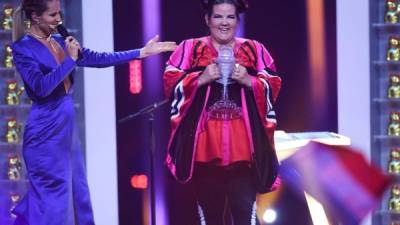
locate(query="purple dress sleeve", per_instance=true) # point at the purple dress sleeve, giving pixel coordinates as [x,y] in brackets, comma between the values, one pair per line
[96,59]
[40,82]
[43,76]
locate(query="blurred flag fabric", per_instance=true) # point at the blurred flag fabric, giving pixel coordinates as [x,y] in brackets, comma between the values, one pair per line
[340,178]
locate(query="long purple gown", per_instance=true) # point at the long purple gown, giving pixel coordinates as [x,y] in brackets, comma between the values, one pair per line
[58,192]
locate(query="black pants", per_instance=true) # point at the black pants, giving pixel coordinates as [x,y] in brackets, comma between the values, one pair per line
[230,188]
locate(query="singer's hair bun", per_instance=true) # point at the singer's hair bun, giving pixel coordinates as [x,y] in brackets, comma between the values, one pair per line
[241,5]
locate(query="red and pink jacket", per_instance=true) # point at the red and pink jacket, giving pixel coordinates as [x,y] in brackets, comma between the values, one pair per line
[189,105]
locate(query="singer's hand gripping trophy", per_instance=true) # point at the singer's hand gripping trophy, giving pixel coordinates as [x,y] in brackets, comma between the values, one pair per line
[225,109]
[58,192]
[223,89]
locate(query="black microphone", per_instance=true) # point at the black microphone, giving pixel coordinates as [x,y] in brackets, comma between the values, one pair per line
[64,33]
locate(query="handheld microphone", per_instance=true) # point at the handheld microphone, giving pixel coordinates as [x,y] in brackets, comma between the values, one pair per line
[64,33]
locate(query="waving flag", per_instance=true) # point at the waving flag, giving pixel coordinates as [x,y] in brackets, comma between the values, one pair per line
[340,178]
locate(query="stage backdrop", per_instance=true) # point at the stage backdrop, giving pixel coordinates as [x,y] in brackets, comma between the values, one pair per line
[282,26]
[100,126]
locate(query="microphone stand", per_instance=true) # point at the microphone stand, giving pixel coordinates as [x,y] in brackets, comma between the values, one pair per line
[149,110]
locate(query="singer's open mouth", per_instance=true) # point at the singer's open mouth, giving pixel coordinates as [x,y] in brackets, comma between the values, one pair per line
[53,26]
[224,30]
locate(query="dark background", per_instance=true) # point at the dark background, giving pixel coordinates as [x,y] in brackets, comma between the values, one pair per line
[280,25]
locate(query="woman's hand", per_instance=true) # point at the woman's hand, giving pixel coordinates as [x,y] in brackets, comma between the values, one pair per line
[154,47]
[210,74]
[241,76]
[73,47]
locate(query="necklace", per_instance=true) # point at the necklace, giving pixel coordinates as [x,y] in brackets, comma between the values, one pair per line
[67,82]
[48,39]
[39,37]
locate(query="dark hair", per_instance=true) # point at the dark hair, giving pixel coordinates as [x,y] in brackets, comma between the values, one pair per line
[24,12]
[37,6]
[240,5]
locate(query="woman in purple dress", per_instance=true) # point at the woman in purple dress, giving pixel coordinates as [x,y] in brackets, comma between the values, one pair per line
[58,193]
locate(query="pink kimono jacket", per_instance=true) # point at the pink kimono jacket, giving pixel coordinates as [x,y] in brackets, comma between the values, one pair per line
[189,104]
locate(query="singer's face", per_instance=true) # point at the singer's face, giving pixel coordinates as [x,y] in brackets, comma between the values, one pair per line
[51,17]
[223,23]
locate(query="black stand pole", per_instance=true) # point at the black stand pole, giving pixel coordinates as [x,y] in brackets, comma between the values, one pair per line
[149,110]
[152,153]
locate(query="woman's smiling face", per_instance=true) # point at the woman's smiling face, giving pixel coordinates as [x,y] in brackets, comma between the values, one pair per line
[223,23]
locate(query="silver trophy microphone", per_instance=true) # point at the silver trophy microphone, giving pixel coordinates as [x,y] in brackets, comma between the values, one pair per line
[225,109]
[226,62]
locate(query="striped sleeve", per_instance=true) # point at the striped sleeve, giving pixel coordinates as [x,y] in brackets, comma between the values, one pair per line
[176,66]
[267,85]
[179,84]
